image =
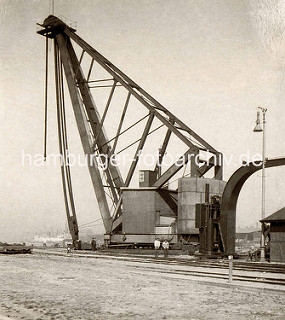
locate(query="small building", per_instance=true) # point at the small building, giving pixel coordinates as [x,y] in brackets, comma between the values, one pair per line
[277,235]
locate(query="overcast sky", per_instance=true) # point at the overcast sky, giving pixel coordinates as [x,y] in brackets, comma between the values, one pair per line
[210,62]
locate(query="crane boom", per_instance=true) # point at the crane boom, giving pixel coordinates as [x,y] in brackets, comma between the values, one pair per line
[91,125]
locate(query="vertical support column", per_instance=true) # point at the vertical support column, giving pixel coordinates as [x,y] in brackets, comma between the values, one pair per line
[121,123]
[219,166]
[84,133]
[105,112]
[162,150]
[209,231]
[262,247]
[207,193]
[90,69]
[230,269]
[194,162]
[140,146]
[46,102]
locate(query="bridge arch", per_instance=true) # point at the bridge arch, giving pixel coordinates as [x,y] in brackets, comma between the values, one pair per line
[230,197]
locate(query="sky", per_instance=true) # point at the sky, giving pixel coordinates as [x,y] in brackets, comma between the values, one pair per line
[210,62]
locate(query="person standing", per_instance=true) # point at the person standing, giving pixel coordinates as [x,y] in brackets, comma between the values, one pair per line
[165,246]
[93,244]
[156,246]
[251,253]
[69,245]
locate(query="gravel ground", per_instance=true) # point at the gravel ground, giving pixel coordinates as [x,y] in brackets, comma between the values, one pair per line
[48,287]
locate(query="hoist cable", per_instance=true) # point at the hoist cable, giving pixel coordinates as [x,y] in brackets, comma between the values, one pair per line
[63,148]
[60,134]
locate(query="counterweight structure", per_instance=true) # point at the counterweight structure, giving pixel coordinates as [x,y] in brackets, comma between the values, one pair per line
[109,184]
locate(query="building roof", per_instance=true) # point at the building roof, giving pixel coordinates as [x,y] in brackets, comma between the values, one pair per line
[276,216]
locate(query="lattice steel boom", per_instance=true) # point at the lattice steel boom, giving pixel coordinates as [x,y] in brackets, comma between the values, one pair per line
[91,125]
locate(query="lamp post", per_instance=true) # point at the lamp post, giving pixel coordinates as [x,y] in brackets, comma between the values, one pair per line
[258,128]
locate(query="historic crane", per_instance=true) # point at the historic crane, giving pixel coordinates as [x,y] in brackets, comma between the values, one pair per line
[110,183]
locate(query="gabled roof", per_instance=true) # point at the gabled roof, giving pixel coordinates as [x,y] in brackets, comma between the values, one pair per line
[276,216]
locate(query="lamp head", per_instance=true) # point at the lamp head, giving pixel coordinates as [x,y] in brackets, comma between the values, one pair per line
[258,127]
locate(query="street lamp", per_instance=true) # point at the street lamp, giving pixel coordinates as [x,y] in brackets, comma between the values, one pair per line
[259,128]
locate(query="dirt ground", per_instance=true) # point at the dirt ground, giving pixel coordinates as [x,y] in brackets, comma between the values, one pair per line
[49,287]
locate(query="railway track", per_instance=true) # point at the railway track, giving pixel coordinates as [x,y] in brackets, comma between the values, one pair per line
[250,266]
[243,271]
[217,275]
[220,264]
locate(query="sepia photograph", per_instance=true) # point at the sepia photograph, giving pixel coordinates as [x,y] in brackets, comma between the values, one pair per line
[142,167]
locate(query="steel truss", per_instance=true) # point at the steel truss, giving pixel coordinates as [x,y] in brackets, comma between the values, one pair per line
[91,125]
